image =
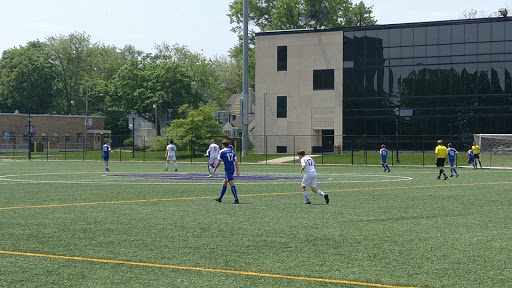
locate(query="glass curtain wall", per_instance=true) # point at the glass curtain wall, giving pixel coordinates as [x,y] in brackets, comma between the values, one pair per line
[454,76]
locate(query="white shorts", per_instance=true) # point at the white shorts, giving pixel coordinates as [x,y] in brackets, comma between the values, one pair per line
[171,157]
[213,161]
[309,179]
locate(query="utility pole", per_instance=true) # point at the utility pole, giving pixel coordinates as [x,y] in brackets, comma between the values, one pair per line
[245,88]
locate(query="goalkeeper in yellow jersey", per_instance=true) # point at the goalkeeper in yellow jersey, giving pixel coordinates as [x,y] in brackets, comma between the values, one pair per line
[476,151]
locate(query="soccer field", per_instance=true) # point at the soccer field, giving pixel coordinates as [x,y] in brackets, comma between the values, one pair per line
[74,224]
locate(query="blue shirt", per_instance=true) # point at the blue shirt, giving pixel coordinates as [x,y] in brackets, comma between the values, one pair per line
[451,154]
[106,150]
[384,152]
[471,155]
[228,156]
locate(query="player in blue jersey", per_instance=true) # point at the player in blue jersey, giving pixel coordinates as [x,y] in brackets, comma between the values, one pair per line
[384,152]
[230,161]
[451,158]
[471,157]
[106,153]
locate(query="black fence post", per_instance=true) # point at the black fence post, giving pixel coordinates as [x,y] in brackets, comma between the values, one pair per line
[365,152]
[423,148]
[83,148]
[352,148]
[266,149]
[14,149]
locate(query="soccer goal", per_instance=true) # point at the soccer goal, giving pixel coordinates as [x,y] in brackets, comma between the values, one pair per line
[495,149]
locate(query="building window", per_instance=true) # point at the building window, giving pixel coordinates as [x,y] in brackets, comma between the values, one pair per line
[55,137]
[282,58]
[323,79]
[282,107]
[79,137]
[68,137]
[44,137]
[282,149]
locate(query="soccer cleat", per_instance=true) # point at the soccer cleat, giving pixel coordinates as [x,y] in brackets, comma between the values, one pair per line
[445,177]
[210,175]
[176,169]
[439,177]
[106,169]
[385,169]
[307,202]
[326,197]
[451,175]
[218,199]
[236,202]
[457,175]
[389,170]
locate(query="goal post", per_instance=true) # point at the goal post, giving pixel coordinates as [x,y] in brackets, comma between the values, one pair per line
[496,149]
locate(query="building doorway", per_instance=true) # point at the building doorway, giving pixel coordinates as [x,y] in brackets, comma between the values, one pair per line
[328,140]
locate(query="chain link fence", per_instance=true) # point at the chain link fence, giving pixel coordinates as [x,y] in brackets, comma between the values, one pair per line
[328,149]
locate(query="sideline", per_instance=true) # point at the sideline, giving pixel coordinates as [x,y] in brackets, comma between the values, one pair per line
[202,269]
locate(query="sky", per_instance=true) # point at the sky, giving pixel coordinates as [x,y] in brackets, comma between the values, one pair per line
[201,25]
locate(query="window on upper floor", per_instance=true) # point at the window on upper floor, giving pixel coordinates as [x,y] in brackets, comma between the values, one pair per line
[282,58]
[323,79]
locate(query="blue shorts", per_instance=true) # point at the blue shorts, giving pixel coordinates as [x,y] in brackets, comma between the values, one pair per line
[229,176]
[452,162]
[105,158]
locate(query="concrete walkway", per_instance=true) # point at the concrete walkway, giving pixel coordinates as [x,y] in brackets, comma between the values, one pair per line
[284,159]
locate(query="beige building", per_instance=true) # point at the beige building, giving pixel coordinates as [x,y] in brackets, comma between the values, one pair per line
[56,132]
[298,91]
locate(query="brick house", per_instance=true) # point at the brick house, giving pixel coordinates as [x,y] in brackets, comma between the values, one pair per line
[54,132]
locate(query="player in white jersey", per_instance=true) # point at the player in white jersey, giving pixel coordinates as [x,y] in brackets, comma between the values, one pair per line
[310,177]
[213,154]
[170,155]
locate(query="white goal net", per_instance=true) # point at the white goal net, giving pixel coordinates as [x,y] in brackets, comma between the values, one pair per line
[495,149]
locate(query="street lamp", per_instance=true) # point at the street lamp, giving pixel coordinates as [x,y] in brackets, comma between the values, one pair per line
[133,115]
[397,116]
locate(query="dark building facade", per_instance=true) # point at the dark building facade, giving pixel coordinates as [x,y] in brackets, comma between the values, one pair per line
[453,76]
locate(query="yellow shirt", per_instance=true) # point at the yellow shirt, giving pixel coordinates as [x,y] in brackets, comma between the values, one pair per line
[441,151]
[476,149]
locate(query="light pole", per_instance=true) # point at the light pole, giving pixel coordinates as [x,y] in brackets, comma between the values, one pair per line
[133,115]
[29,130]
[397,116]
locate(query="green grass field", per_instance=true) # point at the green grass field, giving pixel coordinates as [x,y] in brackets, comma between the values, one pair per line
[73,224]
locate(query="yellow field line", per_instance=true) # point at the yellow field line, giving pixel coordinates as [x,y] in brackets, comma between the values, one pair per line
[203,269]
[249,195]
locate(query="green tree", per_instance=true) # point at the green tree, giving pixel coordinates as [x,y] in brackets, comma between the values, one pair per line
[217,77]
[142,83]
[27,79]
[69,54]
[194,130]
[267,15]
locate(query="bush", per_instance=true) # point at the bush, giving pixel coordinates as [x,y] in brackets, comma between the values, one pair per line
[128,142]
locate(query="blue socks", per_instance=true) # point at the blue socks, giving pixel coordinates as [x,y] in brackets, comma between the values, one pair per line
[235,194]
[233,190]
[223,191]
